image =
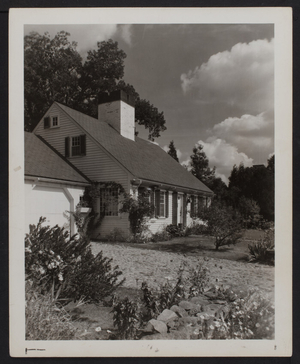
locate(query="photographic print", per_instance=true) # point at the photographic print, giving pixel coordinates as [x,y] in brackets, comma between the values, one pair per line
[146,183]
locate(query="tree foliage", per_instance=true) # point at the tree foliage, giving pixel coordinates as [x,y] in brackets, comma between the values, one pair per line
[223,223]
[254,183]
[172,151]
[55,71]
[200,165]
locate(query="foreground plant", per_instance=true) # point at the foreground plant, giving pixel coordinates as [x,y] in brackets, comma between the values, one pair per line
[66,266]
[45,319]
[126,318]
[263,250]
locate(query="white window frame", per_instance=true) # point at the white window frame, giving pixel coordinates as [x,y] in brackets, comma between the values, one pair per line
[52,118]
[164,203]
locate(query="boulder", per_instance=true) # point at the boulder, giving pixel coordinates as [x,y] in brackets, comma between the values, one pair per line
[159,326]
[188,320]
[200,300]
[180,311]
[186,305]
[212,309]
[167,316]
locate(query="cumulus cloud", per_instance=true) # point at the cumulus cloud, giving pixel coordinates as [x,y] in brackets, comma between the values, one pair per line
[224,156]
[126,33]
[252,134]
[242,76]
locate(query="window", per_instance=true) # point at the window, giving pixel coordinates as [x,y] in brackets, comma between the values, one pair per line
[51,122]
[75,146]
[54,121]
[109,201]
[162,203]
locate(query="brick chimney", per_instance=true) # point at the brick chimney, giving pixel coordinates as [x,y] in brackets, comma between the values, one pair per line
[117,109]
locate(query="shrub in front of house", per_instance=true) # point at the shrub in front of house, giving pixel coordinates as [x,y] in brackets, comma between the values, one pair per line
[223,223]
[66,266]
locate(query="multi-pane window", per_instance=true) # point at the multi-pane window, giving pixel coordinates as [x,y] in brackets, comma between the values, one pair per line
[76,146]
[109,201]
[54,120]
[162,203]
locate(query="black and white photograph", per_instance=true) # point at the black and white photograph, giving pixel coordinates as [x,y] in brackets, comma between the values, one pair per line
[149,182]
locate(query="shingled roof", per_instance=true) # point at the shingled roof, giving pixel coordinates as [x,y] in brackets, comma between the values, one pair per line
[42,161]
[143,159]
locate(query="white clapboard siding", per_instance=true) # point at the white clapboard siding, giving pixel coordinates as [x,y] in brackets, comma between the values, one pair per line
[156,225]
[97,165]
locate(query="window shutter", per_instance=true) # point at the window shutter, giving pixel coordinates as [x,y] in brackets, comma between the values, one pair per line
[192,206]
[152,202]
[47,122]
[83,144]
[67,147]
[184,210]
[167,204]
[157,200]
[174,208]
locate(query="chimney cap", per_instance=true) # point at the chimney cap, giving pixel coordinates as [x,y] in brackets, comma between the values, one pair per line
[118,95]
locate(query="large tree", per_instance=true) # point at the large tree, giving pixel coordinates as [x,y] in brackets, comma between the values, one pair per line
[54,71]
[172,151]
[200,165]
[254,183]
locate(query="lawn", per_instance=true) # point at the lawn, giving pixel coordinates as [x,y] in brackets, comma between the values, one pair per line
[156,263]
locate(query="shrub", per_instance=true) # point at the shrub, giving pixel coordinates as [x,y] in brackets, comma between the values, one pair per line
[161,235]
[223,223]
[174,231]
[66,265]
[45,319]
[126,318]
[115,235]
[263,250]
[138,211]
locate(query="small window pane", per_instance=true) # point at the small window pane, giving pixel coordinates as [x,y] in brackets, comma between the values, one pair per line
[54,121]
[76,149]
[109,201]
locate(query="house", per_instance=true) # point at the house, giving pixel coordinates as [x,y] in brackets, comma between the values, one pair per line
[52,184]
[107,149]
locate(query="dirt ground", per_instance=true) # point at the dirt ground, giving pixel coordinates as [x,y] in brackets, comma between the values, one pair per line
[157,262]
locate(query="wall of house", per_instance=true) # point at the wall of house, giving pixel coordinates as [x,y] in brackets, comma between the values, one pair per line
[51,200]
[96,164]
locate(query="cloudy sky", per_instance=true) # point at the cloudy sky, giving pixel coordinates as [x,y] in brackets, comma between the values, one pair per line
[214,83]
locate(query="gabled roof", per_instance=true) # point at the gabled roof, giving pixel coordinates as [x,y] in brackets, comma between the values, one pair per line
[41,160]
[143,159]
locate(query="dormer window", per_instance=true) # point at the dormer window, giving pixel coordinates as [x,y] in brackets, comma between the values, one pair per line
[54,121]
[75,146]
[51,122]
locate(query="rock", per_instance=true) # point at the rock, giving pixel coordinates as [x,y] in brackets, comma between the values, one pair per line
[173,325]
[181,312]
[148,328]
[200,300]
[167,316]
[210,295]
[159,326]
[188,320]
[187,305]
[195,310]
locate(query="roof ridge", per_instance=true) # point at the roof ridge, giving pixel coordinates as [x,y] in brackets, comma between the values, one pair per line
[62,157]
